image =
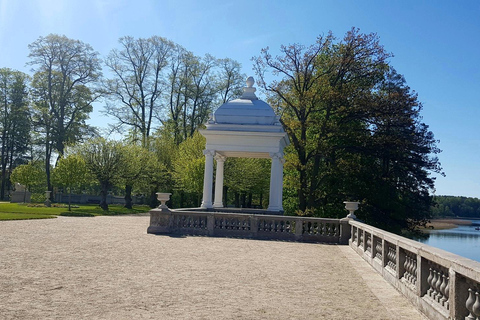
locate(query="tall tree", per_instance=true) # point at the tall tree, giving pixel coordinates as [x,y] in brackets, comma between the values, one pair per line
[15,123]
[200,94]
[66,71]
[325,94]
[138,83]
[402,152]
[230,81]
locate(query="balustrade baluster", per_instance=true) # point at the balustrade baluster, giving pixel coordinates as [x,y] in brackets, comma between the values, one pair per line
[469,304]
[437,286]
[433,285]
[476,305]
[414,270]
[442,289]
[447,294]
[410,270]
[406,265]
[429,281]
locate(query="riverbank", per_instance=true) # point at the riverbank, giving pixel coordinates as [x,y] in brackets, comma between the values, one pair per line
[443,224]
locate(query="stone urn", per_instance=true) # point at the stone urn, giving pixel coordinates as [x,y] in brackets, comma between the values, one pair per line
[163,198]
[351,207]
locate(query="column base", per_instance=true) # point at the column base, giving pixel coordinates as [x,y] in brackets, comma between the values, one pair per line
[206,205]
[274,208]
[218,205]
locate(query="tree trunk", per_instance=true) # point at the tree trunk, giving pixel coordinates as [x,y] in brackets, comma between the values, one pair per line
[302,199]
[225,196]
[4,166]
[244,200]
[128,196]
[69,199]
[182,198]
[103,194]
[237,200]
[249,201]
[153,199]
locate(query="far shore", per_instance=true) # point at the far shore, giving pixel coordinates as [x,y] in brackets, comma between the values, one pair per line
[442,224]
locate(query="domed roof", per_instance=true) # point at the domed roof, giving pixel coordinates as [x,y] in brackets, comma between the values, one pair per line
[247,109]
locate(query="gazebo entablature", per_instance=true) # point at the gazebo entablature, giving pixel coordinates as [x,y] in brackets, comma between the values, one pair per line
[246,128]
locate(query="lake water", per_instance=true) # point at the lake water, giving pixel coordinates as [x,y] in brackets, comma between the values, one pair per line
[463,240]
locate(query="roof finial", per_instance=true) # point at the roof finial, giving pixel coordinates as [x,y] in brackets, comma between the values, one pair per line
[249,90]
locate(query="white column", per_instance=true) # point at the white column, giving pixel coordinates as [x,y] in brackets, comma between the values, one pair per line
[208,179]
[280,183]
[276,182]
[218,203]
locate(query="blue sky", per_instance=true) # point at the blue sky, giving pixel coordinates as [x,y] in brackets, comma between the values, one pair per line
[436,46]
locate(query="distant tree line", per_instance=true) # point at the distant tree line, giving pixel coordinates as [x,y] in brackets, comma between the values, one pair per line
[451,206]
[355,126]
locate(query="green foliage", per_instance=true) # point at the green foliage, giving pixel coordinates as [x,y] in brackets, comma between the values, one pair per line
[30,175]
[105,160]
[62,91]
[15,123]
[142,172]
[189,165]
[450,206]
[71,172]
[355,131]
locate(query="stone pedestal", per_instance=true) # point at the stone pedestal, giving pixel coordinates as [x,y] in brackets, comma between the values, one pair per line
[160,221]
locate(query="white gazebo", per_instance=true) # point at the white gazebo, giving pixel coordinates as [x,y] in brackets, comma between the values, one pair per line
[248,128]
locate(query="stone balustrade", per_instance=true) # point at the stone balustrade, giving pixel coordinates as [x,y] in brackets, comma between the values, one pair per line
[441,284]
[257,226]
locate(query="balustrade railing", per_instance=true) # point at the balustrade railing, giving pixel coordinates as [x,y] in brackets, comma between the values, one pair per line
[249,226]
[441,284]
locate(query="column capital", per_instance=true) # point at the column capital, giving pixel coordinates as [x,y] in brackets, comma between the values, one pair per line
[209,152]
[220,158]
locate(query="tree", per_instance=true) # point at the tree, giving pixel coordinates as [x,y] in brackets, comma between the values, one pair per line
[15,123]
[189,166]
[62,89]
[29,175]
[70,172]
[105,161]
[246,177]
[328,96]
[142,171]
[230,81]
[137,87]
[402,153]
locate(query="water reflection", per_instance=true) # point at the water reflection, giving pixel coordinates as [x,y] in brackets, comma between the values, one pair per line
[463,240]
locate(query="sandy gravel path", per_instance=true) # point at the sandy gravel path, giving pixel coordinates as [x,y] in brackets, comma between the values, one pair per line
[110,268]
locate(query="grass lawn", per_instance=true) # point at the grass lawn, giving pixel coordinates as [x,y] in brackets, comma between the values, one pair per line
[20,211]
